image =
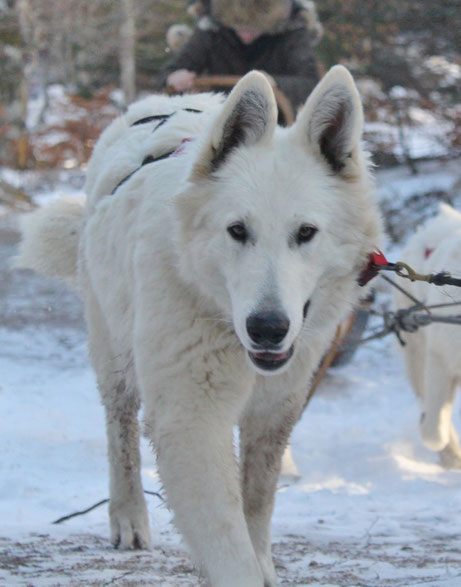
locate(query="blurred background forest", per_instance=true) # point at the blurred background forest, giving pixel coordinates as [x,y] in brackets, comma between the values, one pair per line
[69,66]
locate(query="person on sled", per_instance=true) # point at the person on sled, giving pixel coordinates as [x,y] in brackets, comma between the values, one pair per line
[233,37]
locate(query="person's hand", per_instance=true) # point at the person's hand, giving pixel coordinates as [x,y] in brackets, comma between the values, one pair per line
[181,80]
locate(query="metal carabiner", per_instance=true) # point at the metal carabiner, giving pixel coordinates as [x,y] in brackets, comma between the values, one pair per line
[410,272]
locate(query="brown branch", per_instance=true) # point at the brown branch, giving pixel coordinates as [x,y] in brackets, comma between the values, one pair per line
[102,502]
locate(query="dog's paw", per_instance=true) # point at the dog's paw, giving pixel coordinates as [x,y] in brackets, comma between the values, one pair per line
[129,527]
[450,459]
[268,569]
[435,430]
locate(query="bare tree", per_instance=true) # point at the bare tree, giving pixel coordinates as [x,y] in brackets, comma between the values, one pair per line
[128,50]
[28,29]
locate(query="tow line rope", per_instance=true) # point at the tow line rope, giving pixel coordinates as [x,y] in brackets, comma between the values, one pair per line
[377,262]
[411,318]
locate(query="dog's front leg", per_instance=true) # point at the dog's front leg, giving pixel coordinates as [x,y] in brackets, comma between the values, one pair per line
[129,520]
[265,428]
[192,422]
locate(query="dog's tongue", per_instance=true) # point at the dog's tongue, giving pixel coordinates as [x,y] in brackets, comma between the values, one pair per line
[271,356]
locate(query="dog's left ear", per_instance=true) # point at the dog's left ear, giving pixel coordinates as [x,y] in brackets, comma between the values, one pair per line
[249,116]
[332,120]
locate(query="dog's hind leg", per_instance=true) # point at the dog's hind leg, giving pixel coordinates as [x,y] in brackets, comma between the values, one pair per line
[129,523]
[264,431]
[437,404]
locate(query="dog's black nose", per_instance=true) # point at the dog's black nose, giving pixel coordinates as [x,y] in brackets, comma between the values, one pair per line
[267,328]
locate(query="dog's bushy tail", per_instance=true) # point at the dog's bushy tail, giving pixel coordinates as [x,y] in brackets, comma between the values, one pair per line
[50,237]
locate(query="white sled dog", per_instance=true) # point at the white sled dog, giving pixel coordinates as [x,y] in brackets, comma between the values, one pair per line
[433,353]
[216,255]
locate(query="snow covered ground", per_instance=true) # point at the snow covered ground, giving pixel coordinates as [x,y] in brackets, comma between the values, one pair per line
[373,507]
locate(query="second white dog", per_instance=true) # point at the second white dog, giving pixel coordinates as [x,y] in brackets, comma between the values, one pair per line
[433,353]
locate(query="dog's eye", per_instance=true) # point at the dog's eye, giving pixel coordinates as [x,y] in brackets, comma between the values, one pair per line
[306,233]
[238,231]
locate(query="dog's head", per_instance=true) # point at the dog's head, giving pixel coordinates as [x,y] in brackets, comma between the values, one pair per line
[276,223]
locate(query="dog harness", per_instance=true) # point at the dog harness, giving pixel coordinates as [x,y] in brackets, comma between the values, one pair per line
[376,262]
[162,119]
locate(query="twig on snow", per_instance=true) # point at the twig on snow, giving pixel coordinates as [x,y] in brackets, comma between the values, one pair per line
[102,502]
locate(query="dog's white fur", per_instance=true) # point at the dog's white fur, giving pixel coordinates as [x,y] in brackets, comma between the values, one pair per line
[433,353]
[168,291]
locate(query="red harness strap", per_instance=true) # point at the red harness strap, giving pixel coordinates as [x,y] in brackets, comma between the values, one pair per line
[376,262]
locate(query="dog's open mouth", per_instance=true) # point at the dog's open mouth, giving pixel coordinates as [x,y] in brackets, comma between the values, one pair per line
[270,361]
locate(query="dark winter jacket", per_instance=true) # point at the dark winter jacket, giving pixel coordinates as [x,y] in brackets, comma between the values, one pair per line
[286,56]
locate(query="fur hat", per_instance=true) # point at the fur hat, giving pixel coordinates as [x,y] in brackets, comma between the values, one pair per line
[257,15]
[308,12]
[197,8]
[177,36]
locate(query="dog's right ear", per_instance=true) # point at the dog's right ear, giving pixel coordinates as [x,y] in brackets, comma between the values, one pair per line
[249,116]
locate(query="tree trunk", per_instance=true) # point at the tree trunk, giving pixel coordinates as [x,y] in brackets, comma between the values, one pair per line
[128,50]
[25,18]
